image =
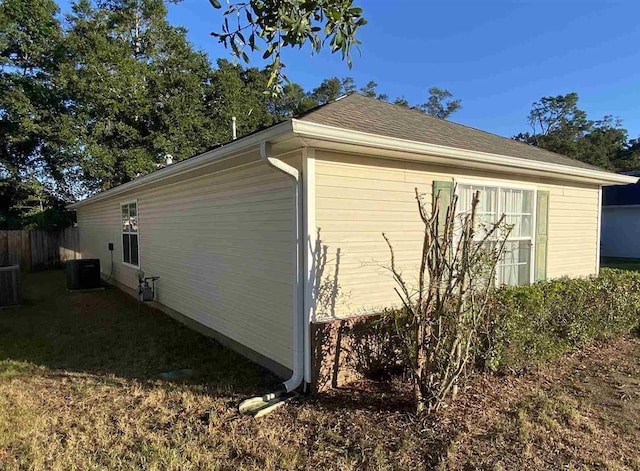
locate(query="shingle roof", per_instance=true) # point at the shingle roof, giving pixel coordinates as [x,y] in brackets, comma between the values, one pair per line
[360,113]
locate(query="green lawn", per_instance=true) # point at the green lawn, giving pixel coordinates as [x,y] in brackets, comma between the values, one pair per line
[631,264]
[80,388]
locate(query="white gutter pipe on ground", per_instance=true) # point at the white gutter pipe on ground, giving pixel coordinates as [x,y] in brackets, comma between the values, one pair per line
[259,406]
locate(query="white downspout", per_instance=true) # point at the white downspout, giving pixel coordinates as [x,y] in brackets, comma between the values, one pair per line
[297,376]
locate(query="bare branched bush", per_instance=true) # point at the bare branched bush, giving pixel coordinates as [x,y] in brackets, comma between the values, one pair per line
[449,304]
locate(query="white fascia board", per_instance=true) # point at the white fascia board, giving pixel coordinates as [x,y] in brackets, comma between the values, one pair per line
[476,159]
[219,154]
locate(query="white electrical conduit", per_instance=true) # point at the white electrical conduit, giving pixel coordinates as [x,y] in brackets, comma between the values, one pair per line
[261,405]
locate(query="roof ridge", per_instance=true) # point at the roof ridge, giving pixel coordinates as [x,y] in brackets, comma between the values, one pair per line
[317,107]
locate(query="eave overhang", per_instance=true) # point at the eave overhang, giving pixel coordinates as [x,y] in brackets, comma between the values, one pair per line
[295,133]
[344,140]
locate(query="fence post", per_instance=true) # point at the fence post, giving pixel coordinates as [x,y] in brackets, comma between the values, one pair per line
[25,251]
[4,248]
[29,252]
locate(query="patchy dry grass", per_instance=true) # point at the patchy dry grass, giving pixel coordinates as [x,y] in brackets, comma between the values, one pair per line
[580,412]
[80,389]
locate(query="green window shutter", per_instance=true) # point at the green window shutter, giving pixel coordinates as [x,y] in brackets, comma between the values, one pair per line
[542,234]
[443,189]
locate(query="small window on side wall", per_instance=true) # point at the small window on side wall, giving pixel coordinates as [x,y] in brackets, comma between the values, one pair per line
[130,234]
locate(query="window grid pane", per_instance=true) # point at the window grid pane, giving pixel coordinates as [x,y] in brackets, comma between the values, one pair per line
[126,248]
[134,249]
[125,218]
[517,205]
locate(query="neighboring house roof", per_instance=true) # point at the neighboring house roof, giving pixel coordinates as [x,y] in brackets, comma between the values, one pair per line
[359,124]
[623,195]
[370,115]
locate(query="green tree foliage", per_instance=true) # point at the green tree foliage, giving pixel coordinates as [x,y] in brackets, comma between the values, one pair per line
[272,26]
[35,125]
[559,125]
[17,200]
[139,89]
[107,98]
[31,108]
[29,204]
[402,101]
[556,124]
[108,95]
[439,104]
[293,101]
[332,88]
[236,91]
[371,90]
[629,158]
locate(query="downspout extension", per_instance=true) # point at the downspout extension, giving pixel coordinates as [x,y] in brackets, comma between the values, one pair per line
[297,376]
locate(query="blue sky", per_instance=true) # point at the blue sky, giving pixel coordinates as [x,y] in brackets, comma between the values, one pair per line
[498,56]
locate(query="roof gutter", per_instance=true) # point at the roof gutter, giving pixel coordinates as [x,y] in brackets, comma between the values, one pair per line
[333,134]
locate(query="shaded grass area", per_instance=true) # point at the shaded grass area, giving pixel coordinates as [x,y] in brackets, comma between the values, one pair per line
[80,388]
[631,264]
[108,333]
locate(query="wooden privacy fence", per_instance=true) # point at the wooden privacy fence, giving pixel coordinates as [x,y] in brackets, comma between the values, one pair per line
[38,250]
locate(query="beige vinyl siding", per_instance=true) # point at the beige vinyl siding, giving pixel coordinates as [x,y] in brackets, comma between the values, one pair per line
[222,245]
[358,198]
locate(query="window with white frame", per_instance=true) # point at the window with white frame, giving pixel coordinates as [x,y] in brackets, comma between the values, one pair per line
[130,253]
[517,204]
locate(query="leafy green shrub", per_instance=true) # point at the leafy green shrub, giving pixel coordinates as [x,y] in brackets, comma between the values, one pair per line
[526,326]
[530,324]
[376,344]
